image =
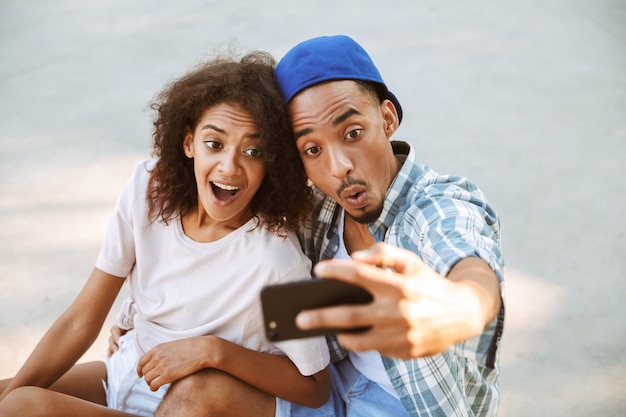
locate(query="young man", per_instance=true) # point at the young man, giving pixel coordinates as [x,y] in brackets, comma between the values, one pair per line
[437,314]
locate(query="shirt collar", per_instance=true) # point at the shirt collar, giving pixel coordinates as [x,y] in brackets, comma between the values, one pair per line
[396,192]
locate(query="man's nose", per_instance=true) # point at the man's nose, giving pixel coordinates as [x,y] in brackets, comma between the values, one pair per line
[340,164]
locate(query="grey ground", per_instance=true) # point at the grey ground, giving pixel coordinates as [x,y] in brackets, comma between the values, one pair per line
[527,98]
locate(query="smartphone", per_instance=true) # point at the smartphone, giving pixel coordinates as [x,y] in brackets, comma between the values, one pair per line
[281,304]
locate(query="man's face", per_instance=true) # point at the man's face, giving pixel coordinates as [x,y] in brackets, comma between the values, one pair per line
[342,134]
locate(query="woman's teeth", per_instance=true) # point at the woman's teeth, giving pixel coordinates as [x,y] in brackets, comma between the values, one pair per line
[224,192]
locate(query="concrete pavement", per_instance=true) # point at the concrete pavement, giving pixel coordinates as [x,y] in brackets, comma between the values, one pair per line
[527,98]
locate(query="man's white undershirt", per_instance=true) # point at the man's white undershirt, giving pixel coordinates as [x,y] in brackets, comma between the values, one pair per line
[368,363]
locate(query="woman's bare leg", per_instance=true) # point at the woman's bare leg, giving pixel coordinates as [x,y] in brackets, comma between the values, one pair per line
[41,402]
[3,384]
[82,381]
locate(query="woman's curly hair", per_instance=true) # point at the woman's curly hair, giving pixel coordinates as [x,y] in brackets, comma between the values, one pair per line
[284,199]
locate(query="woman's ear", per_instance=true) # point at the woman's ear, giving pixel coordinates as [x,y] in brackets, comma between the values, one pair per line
[188,143]
[390,117]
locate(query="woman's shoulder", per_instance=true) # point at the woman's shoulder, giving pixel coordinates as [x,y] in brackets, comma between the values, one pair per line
[135,190]
[144,168]
[141,174]
[283,249]
[281,241]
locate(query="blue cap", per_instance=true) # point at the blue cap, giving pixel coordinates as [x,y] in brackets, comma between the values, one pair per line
[328,58]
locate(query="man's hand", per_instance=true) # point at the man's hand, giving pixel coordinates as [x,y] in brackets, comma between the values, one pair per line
[416,312]
[114,337]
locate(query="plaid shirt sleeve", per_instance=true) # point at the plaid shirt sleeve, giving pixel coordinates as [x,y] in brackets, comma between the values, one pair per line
[444,219]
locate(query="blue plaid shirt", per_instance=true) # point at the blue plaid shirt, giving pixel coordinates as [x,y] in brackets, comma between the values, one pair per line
[443,219]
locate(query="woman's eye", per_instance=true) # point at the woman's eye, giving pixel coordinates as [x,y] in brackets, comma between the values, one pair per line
[212,144]
[253,152]
[312,151]
[353,134]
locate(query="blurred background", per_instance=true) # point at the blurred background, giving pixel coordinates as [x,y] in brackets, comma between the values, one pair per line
[526,98]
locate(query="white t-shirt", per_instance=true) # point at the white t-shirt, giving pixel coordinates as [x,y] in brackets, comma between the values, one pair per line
[368,363]
[182,288]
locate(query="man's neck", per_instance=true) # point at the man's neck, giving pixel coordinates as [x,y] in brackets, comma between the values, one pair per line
[356,236]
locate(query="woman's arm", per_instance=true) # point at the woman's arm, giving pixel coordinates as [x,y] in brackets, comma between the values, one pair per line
[273,374]
[71,334]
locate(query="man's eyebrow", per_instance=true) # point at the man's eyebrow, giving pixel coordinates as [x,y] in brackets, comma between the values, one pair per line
[303,132]
[342,118]
[338,120]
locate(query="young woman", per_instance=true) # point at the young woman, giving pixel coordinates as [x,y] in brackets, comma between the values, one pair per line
[198,230]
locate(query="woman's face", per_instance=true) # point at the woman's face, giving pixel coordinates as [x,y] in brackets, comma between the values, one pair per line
[228,162]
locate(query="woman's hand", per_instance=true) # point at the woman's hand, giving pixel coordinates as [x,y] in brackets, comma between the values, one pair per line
[171,361]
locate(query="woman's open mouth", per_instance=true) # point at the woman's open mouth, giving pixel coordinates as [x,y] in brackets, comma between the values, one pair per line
[224,192]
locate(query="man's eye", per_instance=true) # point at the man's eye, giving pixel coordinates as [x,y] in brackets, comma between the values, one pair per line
[353,134]
[253,152]
[313,150]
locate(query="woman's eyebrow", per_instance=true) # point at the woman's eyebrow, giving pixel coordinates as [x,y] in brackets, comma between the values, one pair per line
[209,126]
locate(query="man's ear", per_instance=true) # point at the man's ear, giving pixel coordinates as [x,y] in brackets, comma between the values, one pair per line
[188,143]
[390,117]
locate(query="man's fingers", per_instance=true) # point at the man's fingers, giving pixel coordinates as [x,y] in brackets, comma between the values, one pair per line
[116,332]
[112,347]
[114,337]
[388,256]
[370,277]
[337,317]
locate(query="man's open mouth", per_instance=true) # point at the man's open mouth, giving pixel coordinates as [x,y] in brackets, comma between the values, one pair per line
[354,195]
[223,192]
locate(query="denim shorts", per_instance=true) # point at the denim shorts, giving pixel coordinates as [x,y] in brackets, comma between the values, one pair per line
[353,395]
